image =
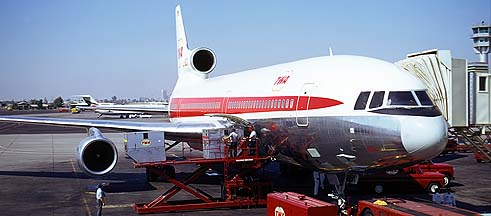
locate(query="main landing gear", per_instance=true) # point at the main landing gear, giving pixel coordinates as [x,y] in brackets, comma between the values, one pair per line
[339,180]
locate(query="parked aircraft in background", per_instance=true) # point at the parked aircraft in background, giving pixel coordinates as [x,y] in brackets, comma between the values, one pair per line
[87,102]
[83,100]
[336,114]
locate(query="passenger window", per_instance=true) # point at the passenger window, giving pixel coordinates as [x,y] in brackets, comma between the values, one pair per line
[377,99]
[291,103]
[283,103]
[404,98]
[362,100]
[423,98]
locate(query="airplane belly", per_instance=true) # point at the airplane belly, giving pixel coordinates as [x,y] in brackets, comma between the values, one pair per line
[335,143]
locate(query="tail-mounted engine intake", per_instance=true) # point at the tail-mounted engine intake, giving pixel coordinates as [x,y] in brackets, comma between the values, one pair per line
[203,60]
[96,154]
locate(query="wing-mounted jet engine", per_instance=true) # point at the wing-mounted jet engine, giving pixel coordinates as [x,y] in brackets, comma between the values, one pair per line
[96,154]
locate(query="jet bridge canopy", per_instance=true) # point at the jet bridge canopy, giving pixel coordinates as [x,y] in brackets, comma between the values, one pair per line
[447,82]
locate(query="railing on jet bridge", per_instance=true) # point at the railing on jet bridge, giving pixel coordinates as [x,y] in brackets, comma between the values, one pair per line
[477,139]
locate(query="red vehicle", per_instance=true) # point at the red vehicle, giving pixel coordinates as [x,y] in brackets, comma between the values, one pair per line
[480,157]
[401,207]
[408,177]
[290,203]
[443,168]
[453,146]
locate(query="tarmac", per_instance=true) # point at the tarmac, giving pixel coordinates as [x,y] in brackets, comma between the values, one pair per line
[39,175]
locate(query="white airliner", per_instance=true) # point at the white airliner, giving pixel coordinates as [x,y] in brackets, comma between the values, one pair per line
[87,102]
[333,113]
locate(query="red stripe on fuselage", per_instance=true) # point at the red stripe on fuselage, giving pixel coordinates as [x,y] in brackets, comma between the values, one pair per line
[192,107]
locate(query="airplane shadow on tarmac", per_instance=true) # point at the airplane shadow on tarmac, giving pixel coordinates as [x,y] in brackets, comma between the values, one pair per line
[120,182]
[448,157]
[126,182]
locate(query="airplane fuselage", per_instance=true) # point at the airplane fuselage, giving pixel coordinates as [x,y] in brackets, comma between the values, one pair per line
[306,111]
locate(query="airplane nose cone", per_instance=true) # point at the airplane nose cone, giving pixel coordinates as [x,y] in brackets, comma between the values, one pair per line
[424,137]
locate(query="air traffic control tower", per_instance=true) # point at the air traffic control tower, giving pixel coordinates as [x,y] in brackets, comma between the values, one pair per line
[481,35]
[479,87]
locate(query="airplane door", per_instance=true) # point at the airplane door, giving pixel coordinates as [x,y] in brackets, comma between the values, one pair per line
[225,102]
[302,108]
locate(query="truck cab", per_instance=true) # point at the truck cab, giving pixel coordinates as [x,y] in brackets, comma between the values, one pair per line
[407,177]
[430,166]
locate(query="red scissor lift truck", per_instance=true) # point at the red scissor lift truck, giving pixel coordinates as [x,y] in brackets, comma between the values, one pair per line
[241,184]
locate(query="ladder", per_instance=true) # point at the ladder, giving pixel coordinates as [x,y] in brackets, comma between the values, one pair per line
[477,138]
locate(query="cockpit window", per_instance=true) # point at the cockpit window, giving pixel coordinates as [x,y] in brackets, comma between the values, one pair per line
[362,100]
[377,99]
[423,98]
[404,98]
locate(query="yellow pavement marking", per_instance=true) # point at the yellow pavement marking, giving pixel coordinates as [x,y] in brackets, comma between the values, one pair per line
[83,197]
[119,206]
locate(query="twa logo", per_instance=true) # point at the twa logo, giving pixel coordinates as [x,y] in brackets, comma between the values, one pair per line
[280,82]
[278,211]
[146,142]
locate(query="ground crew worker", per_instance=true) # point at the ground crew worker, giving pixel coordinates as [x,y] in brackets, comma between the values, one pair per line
[252,140]
[316,182]
[322,178]
[99,195]
[437,197]
[234,140]
[449,198]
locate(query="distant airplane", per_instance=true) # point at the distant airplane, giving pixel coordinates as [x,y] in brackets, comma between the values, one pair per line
[87,102]
[81,100]
[337,114]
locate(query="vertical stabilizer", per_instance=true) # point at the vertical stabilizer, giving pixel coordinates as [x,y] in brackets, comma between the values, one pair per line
[197,63]
[182,43]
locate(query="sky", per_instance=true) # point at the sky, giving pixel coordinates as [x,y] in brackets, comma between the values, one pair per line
[127,48]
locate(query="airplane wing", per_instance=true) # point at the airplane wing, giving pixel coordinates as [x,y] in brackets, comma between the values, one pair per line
[189,128]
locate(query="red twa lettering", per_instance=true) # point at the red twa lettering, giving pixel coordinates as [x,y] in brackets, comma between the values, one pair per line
[281,80]
[179,52]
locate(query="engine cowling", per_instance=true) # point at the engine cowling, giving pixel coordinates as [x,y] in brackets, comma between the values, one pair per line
[203,60]
[96,155]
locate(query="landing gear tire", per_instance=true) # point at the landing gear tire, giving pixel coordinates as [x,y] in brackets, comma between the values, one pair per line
[367,212]
[446,180]
[378,188]
[433,187]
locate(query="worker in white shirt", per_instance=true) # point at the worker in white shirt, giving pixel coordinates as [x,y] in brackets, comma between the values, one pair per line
[99,195]
[234,140]
[252,140]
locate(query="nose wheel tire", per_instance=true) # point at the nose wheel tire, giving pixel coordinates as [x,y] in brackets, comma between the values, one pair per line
[446,180]
[367,212]
[433,187]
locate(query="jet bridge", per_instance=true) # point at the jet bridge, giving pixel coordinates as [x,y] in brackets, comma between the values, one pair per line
[460,92]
